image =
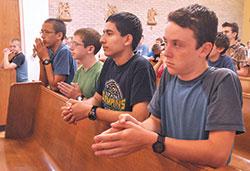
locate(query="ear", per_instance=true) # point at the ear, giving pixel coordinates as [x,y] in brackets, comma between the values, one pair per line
[128,39]
[220,49]
[59,35]
[205,49]
[234,34]
[91,49]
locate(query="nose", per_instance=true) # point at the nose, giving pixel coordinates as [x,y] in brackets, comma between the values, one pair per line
[71,47]
[102,39]
[42,36]
[167,51]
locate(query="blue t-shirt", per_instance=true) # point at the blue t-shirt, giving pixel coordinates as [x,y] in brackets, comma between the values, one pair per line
[151,53]
[190,109]
[142,50]
[22,68]
[224,61]
[63,63]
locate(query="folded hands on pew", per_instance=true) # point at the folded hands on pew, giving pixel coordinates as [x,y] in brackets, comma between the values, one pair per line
[125,136]
[41,49]
[75,111]
[72,90]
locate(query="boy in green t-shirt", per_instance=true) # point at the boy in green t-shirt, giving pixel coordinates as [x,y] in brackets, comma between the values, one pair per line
[84,46]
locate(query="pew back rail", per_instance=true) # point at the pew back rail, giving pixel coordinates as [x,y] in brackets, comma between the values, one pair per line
[38,138]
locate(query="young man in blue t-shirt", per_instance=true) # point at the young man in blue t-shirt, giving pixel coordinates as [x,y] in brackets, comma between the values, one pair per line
[196,109]
[217,58]
[56,61]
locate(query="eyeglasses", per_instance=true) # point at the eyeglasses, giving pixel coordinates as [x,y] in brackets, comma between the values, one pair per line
[75,44]
[46,32]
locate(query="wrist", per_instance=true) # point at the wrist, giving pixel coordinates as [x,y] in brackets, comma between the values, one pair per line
[92,112]
[150,139]
[45,58]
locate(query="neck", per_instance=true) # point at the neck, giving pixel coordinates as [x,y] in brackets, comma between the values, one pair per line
[56,46]
[232,42]
[124,57]
[215,57]
[194,74]
[88,62]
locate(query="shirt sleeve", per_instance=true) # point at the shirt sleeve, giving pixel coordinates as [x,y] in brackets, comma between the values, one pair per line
[154,105]
[18,60]
[61,64]
[143,83]
[243,57]
[224,108]
[228,63]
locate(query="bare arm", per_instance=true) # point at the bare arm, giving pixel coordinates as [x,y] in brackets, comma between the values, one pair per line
[80,110]
[139,111]
[129,136]
[43,76]
[47,75]
[157,66]
[243,71]
[213,152]
[5,62]
[95,100]
[53,79]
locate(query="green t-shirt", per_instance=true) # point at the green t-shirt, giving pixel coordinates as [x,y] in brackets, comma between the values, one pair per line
[87,80]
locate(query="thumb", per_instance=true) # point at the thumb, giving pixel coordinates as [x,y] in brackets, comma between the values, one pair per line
[127,117]
[74,84]
[72,101]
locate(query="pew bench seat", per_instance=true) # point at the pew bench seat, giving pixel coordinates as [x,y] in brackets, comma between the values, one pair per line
[38,139]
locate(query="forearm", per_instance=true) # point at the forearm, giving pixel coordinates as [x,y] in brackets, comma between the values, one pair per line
[51,77]
[95,100]
[1,65]
[43,77]
[152,124]
[6,62]
[112,116]
[109,115]
[243,71]
[157,66]
[204,152]
[201,152]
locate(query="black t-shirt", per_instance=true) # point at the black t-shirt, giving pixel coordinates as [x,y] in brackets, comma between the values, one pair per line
[121,87]
[18,59]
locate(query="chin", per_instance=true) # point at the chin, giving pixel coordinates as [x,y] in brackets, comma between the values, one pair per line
[172,71]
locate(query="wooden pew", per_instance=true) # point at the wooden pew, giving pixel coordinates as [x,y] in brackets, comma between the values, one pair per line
[38,139]
[241,151]
[245,83]
[7,77]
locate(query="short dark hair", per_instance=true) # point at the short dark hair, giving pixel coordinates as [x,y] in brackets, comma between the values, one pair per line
[234,27]
[58,25]
[201,20]
[222,41]
[155,47]
[159,39]
[127,23]
[89,37]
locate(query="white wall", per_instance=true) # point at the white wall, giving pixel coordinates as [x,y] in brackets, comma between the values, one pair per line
[32,15]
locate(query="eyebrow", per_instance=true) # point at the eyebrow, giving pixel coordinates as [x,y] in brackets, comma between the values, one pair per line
[175,40]
[109,31]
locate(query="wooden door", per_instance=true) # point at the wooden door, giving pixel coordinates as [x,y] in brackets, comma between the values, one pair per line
[9,22]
